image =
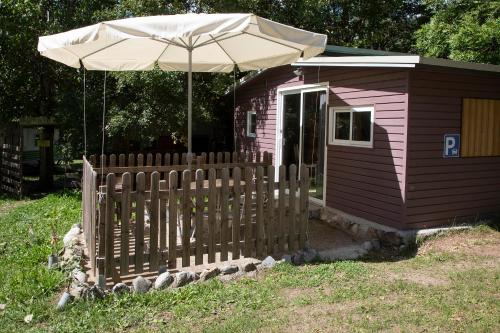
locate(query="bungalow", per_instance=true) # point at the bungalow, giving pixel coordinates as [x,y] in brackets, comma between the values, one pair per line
[394,139]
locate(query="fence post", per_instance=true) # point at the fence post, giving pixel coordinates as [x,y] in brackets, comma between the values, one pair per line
[248,212]
[162,218]
[270,223]
[112,160]
[304,201]
[94,225]
[212,200]
[200,206]
[172,219]
[236,213]
[281,209]
[139,221]
[102,237]
[259,233]
[109,227]
[121,160]
[292,203]
[153,221]
[186,216]
[125,219]
[224,208]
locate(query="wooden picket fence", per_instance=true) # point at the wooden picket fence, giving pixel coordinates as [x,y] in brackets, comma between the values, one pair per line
[11,172]
[192,215]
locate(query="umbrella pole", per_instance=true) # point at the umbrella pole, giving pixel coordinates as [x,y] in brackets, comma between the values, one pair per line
[190,97]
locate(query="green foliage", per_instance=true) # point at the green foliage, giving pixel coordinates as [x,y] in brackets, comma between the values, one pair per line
[347,295]
[462,30]
[142,106]
[26,230]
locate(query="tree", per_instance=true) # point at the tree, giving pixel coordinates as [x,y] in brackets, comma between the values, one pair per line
[143,105]
[466,30]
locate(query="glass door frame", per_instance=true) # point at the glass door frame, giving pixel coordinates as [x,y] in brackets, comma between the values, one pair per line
[302,89]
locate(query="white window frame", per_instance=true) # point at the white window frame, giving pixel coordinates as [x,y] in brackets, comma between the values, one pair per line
[249,123]
[350,109]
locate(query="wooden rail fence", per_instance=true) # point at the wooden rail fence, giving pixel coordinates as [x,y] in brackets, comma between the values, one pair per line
[209,212]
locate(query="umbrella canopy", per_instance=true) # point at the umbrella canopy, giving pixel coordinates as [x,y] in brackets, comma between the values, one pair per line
[188,42]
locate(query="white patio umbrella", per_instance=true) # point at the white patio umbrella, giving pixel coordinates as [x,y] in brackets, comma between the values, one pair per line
[188,42]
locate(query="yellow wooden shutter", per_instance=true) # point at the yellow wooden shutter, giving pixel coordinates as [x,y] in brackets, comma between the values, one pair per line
[480,127]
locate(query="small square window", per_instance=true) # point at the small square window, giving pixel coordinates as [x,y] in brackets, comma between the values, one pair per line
[351,126]
[252,124]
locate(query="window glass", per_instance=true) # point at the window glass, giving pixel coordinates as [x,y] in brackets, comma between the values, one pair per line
[342,125]
[251,123]
[361,126]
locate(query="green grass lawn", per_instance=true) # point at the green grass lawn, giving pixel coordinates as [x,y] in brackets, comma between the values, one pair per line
[451,285]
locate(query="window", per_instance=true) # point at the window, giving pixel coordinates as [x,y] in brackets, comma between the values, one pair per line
[251,123]
[480,127]
[351,126]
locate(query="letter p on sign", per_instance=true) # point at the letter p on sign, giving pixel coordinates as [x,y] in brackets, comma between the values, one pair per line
[451,145]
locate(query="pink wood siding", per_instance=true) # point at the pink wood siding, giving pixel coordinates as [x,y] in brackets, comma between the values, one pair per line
[444,191]
[369,182]
[366,182]
[260,95]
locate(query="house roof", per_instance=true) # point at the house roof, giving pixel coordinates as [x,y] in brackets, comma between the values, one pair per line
[341,56]
[410,61]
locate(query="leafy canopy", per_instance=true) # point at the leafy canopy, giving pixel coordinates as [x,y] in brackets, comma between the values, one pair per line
[466,30]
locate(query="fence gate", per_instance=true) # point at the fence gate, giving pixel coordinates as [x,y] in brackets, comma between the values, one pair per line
[11,173]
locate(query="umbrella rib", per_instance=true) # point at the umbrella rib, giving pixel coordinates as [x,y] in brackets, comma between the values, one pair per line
[273,41]
[164,50]
[102,49]
[217,42]
[196,41]
[169,42]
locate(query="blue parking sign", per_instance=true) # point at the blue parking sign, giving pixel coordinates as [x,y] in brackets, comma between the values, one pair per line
[451,145]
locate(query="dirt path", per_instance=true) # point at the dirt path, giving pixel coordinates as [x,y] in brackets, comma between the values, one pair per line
[7,204]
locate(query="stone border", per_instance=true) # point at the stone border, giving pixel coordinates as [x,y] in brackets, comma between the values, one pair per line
[79,288]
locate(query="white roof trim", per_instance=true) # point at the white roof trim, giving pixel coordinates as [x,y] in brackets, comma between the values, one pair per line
[393,61]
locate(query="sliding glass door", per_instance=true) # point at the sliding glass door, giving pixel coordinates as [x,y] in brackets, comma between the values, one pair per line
[303,133]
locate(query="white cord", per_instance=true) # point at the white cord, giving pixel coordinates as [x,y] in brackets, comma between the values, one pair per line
[103,127]
[234,106]
[84,115]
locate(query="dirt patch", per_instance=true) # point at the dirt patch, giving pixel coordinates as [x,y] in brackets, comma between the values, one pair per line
[8,205]
[316,317]
[420,277]
[467,242]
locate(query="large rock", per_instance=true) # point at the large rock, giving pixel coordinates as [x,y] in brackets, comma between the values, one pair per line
[183,278]
[71,234]
[94,293]
[163,280]
[141,285]
[269,262]
[298,258]
[248,267]
[79,276]
[229,269]
[231,277]
[209,273]
[310,255]
[77,291]
[120,288]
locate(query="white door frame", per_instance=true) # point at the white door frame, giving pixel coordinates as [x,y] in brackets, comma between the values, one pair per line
[322,86]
